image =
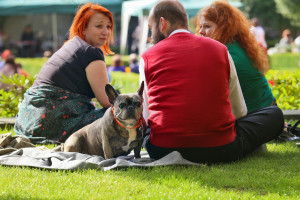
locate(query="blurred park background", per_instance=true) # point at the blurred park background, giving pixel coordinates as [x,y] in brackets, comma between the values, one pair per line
[50,20]
[47,23]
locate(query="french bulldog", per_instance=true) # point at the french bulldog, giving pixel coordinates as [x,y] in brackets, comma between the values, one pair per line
[117,133]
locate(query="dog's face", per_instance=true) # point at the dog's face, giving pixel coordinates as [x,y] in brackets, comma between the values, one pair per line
[128,108]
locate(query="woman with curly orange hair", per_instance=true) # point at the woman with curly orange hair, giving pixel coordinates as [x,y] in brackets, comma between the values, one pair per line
[227,24]
[59,101]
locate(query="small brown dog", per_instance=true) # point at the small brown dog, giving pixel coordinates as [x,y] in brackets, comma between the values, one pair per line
[117,133]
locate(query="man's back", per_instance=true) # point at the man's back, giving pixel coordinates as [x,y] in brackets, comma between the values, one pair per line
[187,78]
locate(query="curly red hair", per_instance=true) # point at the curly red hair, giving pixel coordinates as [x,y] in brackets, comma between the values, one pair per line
[82,18]
[232,26]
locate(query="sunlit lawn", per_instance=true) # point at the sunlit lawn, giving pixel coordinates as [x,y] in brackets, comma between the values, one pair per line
[274,174]
[266,175]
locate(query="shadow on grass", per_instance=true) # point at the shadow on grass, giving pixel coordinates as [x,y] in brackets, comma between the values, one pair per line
[275,172]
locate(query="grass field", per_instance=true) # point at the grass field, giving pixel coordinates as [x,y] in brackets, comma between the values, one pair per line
[274,174]
[284,61]
[33,65]
[129,82]
[266,175]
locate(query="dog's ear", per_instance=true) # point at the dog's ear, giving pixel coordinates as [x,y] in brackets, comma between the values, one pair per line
[111,93]
[141,89]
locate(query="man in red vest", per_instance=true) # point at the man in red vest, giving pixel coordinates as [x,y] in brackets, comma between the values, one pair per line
[192,101]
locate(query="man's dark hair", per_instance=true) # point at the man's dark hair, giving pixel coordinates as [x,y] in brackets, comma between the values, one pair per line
[173,11]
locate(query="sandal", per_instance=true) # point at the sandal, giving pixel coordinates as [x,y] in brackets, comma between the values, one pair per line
[295,130]
[288,133]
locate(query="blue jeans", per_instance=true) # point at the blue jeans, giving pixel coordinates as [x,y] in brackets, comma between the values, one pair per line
[253,130]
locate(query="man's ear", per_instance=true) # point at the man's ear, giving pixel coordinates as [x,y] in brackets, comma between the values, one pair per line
[111,93]
[163,24]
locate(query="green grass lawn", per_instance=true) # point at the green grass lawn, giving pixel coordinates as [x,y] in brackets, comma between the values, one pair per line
[129,82]
[283,61]
[274,174]
[33,65]
[266,175]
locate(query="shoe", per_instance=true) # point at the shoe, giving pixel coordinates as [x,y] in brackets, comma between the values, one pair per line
[294,129]
[287,133]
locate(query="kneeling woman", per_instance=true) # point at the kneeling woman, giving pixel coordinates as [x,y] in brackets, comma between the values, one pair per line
[59,102]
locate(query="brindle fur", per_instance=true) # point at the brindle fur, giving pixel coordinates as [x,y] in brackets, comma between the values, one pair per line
[105,137]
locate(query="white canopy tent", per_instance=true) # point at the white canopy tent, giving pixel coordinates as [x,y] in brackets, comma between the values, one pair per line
[141,8]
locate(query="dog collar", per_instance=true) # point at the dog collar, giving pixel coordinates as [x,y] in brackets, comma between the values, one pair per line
[136,126]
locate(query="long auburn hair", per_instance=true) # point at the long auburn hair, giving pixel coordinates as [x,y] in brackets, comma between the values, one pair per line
[82,18]
[232,26]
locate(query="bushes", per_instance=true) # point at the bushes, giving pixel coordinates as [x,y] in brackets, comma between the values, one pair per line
[10,99]
[284,83]
[285,87]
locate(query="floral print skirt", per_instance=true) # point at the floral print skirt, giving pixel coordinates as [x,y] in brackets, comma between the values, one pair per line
[54,113]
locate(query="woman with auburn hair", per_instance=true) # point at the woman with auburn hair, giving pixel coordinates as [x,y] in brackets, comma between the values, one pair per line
[227,24]
[59,102]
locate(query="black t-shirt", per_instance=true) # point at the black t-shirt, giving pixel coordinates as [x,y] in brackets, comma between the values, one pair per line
[66,68]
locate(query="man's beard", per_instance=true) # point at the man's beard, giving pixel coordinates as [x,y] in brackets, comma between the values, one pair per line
[157,37]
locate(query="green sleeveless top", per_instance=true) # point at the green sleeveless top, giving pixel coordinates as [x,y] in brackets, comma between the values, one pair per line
[254,85]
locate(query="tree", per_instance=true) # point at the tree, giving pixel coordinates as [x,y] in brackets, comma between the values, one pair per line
[266,12]
[290,9]
[271,19]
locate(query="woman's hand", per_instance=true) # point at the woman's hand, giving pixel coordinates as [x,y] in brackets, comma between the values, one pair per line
[96,73]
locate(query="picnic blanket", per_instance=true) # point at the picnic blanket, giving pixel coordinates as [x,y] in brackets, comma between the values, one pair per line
[44,158]
[9,144]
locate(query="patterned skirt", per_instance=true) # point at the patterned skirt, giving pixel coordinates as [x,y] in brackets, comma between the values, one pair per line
[54,113]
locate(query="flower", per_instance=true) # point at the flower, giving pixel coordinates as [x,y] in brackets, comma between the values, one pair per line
[272,82]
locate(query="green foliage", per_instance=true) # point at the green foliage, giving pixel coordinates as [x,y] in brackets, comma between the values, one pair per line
[285,90]
[8,104]
[257,8]
[124,82]
[11,98]
[272,21]
[290,9]
[285,87]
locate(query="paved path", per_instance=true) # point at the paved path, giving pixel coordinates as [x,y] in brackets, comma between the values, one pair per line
[8,122]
